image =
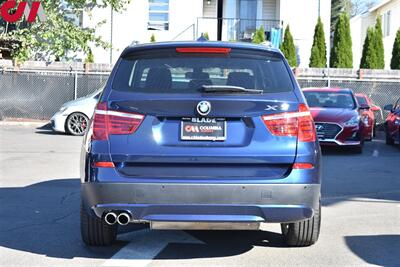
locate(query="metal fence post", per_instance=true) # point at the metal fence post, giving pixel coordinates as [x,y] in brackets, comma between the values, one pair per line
[76,85]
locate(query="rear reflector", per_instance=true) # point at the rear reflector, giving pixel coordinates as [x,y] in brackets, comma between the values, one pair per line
[210,50]
[298,124]
[107,122]
[103,164]
[303,166]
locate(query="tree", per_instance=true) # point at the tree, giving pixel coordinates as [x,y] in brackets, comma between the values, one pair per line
[318,50]
[395,62]
[369,55]
[337,8]
[341,53]
[90,57]
[288,49]
[351,7]
[379,49]
[152,38]
[259,35]
[206,36]
[60,36]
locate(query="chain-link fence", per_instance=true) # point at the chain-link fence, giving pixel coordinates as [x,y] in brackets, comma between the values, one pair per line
[38,95]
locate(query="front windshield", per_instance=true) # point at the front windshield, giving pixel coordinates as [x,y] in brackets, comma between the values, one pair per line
[330,99]
[362,101]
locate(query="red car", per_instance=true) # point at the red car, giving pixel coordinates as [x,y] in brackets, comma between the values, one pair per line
[367,115]
[336,115]
[392,123]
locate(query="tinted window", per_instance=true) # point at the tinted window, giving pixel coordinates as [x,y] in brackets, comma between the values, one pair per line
[187,74]
[330,99]
[362,101]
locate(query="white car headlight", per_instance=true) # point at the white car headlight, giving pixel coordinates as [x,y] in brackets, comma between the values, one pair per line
[353,121]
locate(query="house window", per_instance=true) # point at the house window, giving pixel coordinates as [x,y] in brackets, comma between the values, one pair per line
[247,15]
[386,23]
[158,15]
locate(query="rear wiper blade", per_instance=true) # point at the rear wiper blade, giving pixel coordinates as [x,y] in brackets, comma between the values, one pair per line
[229,89]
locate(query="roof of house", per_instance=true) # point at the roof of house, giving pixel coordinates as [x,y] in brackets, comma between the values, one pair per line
[380,4]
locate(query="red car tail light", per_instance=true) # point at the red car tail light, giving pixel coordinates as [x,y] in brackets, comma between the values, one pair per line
[103,164]
[303,166]
[210,50]
[298,124]
[107,122]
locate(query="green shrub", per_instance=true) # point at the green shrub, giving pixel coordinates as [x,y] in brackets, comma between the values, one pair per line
[259,35]
[369,56]
[341,53]
[379,49]
[288,49]
[395,62]
[318,50]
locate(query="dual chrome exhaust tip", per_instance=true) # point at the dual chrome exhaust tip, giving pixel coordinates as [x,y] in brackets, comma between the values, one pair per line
[112,218]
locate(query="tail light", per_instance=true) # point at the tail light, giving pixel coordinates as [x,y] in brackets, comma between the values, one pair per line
[299,166]
[103,164]
[208,50]
[298,124]
[107,122]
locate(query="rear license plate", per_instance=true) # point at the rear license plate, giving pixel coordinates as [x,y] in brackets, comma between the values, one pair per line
[203,129]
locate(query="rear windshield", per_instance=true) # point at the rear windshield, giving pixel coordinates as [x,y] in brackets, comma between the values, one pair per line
[176,73]
[330,100]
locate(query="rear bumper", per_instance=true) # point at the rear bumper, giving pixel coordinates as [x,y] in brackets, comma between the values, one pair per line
[204,202]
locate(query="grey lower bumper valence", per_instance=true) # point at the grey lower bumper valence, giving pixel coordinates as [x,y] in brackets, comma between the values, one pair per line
[203,226]
[204,203]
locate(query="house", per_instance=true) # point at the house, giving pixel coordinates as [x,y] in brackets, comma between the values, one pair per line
[389,11]
[226,20]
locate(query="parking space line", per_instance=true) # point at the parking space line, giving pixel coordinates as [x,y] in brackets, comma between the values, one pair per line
[145,245]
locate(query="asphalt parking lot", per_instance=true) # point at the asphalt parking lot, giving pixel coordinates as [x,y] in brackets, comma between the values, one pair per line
[39,214]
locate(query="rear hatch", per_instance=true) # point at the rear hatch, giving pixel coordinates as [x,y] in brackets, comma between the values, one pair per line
[201,114]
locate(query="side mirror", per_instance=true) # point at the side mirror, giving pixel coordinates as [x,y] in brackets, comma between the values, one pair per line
[375,108]
[388,107]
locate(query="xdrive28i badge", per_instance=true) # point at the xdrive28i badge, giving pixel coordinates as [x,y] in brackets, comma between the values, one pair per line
[203,108]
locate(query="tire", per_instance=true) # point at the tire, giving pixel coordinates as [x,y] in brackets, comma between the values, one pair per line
[372,134]
[95,231]
[76,124]
[303,233]
[374,130]
[389,140]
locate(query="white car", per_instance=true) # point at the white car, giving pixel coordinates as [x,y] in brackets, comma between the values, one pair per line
[73,117]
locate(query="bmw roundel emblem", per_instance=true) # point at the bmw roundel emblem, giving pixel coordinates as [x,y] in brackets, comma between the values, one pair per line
[203,108]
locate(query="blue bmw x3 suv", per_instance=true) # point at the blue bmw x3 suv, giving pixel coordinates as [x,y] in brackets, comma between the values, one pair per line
[201,135]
